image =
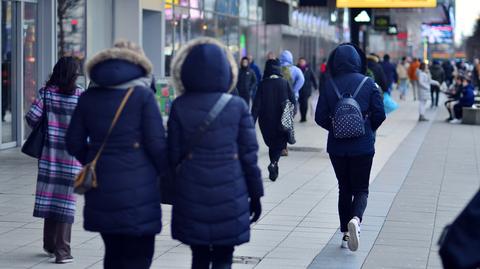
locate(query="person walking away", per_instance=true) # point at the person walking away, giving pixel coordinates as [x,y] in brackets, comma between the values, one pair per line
[351,157]
[54,197]
[247,81]
[125,206]
[306,90]
[291,73]
[449,70]
[390,72]
[438,75]
[412,75]
[423,83]
[273,92]
[402,73]
[218,182]
[255,68]
[467,99]
[377,70]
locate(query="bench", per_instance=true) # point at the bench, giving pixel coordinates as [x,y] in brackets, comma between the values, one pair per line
[471,115]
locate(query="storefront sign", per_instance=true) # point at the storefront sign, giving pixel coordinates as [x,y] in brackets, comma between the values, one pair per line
[381,23]
[386,4]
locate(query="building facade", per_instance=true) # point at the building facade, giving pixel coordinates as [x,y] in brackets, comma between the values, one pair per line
[35,33]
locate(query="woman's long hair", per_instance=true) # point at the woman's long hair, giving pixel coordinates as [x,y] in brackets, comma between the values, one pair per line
[64,76]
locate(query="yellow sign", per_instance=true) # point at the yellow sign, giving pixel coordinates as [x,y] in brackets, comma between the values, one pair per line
[386,4]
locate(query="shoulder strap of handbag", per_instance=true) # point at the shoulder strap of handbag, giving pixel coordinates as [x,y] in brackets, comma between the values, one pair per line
[211,116]
[114,122]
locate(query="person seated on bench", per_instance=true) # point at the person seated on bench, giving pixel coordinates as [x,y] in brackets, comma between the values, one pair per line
[467,99]
[453,94]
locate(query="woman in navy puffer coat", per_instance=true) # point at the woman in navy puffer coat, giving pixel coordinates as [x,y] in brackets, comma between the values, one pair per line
[218,184]
[125,207]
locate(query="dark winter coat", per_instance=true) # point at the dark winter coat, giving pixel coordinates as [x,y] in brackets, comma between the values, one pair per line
[215,179]
[127,198]
[448,69]
[246,83]
[378,73]
[256,70]
[437,73]
[268,107]
[390,72]
[347,67]
[310,82]
[467,98]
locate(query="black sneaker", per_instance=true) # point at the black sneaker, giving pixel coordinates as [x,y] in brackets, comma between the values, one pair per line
[273,171]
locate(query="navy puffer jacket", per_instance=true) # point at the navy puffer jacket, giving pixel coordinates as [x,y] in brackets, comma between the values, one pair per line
[347,66]
[127,200]
[213,183]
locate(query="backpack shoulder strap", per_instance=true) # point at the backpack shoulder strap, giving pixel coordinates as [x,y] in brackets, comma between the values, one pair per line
[360,87]
[335,88]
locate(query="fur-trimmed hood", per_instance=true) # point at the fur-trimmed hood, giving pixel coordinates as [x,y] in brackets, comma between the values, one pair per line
[117,66]
[204,65]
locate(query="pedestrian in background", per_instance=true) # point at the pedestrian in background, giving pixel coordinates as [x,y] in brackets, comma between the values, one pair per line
[54,197]
[402,72]
[247,81]
[412,75]
[218,183]
[352,157]
[449,70]
[268,106]
[423,86]
[390,72]
[438,77]
[292,73]
[373,63]
[255,68]
[467,99]
[306,90]
[125,207]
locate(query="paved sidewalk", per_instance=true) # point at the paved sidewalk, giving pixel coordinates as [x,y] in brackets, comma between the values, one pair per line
[299,222]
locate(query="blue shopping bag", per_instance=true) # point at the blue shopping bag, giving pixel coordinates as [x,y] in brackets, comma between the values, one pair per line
[389,104]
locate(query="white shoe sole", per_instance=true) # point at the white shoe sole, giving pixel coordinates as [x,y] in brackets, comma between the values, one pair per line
[353,233]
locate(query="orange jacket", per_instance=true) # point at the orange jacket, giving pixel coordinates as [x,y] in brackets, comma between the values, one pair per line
[412,70]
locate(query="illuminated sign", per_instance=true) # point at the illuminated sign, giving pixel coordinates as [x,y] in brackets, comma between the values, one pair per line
[381,23]
[392,29]
[386,4]
[362,17]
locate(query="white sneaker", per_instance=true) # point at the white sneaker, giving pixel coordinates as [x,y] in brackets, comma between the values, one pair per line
[354,232]
[456,121]
[345,239]
[65,260]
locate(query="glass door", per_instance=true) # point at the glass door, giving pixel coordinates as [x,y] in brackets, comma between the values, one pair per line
[8,126]
[19,68]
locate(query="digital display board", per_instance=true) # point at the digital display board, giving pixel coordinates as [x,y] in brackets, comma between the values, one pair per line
[438,34]
[386,4]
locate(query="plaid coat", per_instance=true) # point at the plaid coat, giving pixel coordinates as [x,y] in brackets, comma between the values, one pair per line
[54,197]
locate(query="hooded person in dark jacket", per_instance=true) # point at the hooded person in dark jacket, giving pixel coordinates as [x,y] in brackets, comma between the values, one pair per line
[218,184]
[247,81]
[390,71]
[377,70]
[438,75]
[467,99]
[306,91]
[268,106]
[351,158]
[125,207]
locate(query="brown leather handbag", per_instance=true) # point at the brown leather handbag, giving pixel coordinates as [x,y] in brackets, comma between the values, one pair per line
[87,178]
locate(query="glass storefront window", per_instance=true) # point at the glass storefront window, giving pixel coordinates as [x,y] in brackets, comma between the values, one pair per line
[71,28]
[8,105]
[30,86]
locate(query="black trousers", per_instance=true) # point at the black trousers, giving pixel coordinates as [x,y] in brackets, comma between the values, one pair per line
[219,257]
[458,110]
[303,104]
[353,175]
[57,237]
[126,252]
[274,154]
[435,94]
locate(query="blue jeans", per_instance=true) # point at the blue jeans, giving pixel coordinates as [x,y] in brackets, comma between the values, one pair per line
[403,86]
[220,257]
